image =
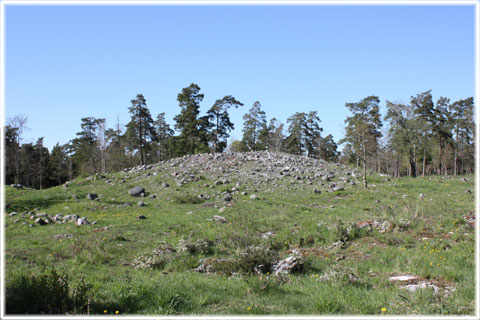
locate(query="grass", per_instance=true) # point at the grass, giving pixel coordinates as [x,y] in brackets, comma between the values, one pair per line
[102,272]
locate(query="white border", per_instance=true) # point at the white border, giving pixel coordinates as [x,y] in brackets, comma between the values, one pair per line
[238,3]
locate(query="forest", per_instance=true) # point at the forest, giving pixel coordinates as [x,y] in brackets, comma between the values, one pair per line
[422,137]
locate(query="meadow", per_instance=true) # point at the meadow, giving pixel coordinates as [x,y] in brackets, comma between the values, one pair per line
[352,246]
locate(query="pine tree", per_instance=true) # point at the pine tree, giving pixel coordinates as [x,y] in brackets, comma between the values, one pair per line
[362,130]
[254,122]
[140,131]
[220,122]
[193,136]
[163,134]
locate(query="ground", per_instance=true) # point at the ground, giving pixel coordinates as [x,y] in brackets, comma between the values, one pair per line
[403,246]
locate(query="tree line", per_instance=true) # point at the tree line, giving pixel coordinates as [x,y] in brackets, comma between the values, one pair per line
[422,138]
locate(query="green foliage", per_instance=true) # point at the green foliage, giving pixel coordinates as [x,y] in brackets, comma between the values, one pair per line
[46,293]
[140,131]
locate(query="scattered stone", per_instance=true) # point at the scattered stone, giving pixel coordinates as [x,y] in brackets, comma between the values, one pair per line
[468,191]
[40,222]
[74,197]
[164,249]
[253,197]
[63,236]
[316,191]
[136,191]
[268,235]
[82,221]
[228,197]
[380,225]
[11,214]
[289,265]
[92,196]
[140,203]
[141,217]
[219,219]
[152,196]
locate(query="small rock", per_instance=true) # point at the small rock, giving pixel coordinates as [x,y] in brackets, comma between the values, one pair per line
[140,203]
[227,197]
[92,196]
[253,197]
[74,197]
[141,217]
[40,222]
[288,265]
[316,191]
[219,219]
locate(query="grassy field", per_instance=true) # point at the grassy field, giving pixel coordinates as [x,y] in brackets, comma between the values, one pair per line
[346,268]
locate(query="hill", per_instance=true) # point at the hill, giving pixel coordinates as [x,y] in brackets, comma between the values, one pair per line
[242,233]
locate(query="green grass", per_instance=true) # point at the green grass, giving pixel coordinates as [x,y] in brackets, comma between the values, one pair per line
[100,264]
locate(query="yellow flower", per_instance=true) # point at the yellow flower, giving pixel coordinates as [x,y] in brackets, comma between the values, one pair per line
[249,308]
[117,312]
[384,309]
[430,263]
[268,272]
[105,311]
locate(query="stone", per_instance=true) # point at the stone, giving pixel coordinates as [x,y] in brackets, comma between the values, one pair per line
[253,197]
[63,236]
[141,217]
[339,188]
[289,265]
[227,197]
[11,214]
[316,191]
[82,221]
[140,203]
[40,222]
[136,191]
[219,219]
[152,196]
[74,197]
[468,191]
[92,196]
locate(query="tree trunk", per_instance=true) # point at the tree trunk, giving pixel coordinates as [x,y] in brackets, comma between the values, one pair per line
[424,162]
[364,167]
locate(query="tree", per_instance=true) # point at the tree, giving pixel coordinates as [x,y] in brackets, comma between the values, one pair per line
[85,146]
[11,147]
[404,134]
[463,124]
[59,164]
[295,143]
[275,135]
[253,123]
[19,122]
[362,129]
[220,122]
[193,130]
[424,109]
[116,145]
[312,133]
[140,131]
[163,134]
[327,149]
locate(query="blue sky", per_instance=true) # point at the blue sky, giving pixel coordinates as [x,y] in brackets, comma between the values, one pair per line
[68,62]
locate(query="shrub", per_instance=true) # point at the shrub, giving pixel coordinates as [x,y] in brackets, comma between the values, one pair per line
[46,293]
[187,199]
[256,259]
[204,246]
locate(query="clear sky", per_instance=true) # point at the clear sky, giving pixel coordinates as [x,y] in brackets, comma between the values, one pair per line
[68,62]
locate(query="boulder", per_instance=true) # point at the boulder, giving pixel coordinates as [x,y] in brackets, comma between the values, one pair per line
[136,191]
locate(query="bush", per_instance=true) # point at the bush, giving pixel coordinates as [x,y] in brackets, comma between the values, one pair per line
[204,246]
[256,259]
[47,293]
[187,199]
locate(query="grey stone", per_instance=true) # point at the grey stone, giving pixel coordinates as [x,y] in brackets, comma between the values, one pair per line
[289,265]
[219,219]
[136,191]
[140,203]
[92,196]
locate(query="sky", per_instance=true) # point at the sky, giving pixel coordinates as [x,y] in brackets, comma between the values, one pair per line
[68,62]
